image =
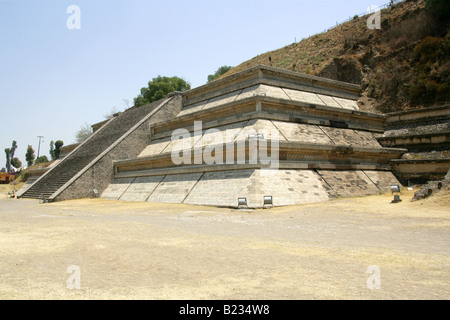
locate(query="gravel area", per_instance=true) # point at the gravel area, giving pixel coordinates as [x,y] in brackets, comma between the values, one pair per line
[359,248]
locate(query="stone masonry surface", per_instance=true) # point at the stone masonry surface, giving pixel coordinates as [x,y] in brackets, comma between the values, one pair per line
[223,188]
[100,174]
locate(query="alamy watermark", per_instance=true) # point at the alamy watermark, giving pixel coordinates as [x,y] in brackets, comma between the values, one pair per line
[73,22]
[74,280]
[374,21]
[374,280]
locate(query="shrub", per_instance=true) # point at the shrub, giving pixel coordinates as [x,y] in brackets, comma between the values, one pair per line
[440,9]
[430,50]
[443,92]
[409,30]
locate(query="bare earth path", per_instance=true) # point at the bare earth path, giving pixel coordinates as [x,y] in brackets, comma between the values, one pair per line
[160,251]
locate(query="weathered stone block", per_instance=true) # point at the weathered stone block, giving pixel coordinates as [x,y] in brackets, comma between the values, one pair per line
[349,183]
[382,179]
[174,188]
[305,133]
[115,190]
[141,188]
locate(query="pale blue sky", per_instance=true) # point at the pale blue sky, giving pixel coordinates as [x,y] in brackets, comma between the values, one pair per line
[53,80]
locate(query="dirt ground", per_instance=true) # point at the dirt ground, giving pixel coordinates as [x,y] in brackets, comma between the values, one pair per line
[163,251]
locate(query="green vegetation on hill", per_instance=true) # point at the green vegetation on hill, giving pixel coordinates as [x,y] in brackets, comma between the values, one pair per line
[222,70]
[158,88]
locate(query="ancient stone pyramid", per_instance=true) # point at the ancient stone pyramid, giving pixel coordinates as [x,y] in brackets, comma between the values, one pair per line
[260,137]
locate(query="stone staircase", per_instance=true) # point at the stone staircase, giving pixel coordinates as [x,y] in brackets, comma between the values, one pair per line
[53,180]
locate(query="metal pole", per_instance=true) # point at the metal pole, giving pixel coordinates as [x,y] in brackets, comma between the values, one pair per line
[39,148]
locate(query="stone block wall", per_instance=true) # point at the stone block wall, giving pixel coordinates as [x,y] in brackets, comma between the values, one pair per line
[287,131]
[349,183]
[99,173]
[328,147]
[140,188]
[426,135]
[223,188]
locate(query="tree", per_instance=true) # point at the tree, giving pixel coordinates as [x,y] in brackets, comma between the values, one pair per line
[84,133]
[41,159]
[222,70]
[58,145]
[13,148]
[30,156]
[16,163]
[52,150]
[10,160]
[159,88]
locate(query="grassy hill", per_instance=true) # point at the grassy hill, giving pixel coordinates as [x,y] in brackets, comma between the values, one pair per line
[404,65]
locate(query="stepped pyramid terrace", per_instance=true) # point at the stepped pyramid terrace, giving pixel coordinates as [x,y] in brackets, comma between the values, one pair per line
[264,136]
